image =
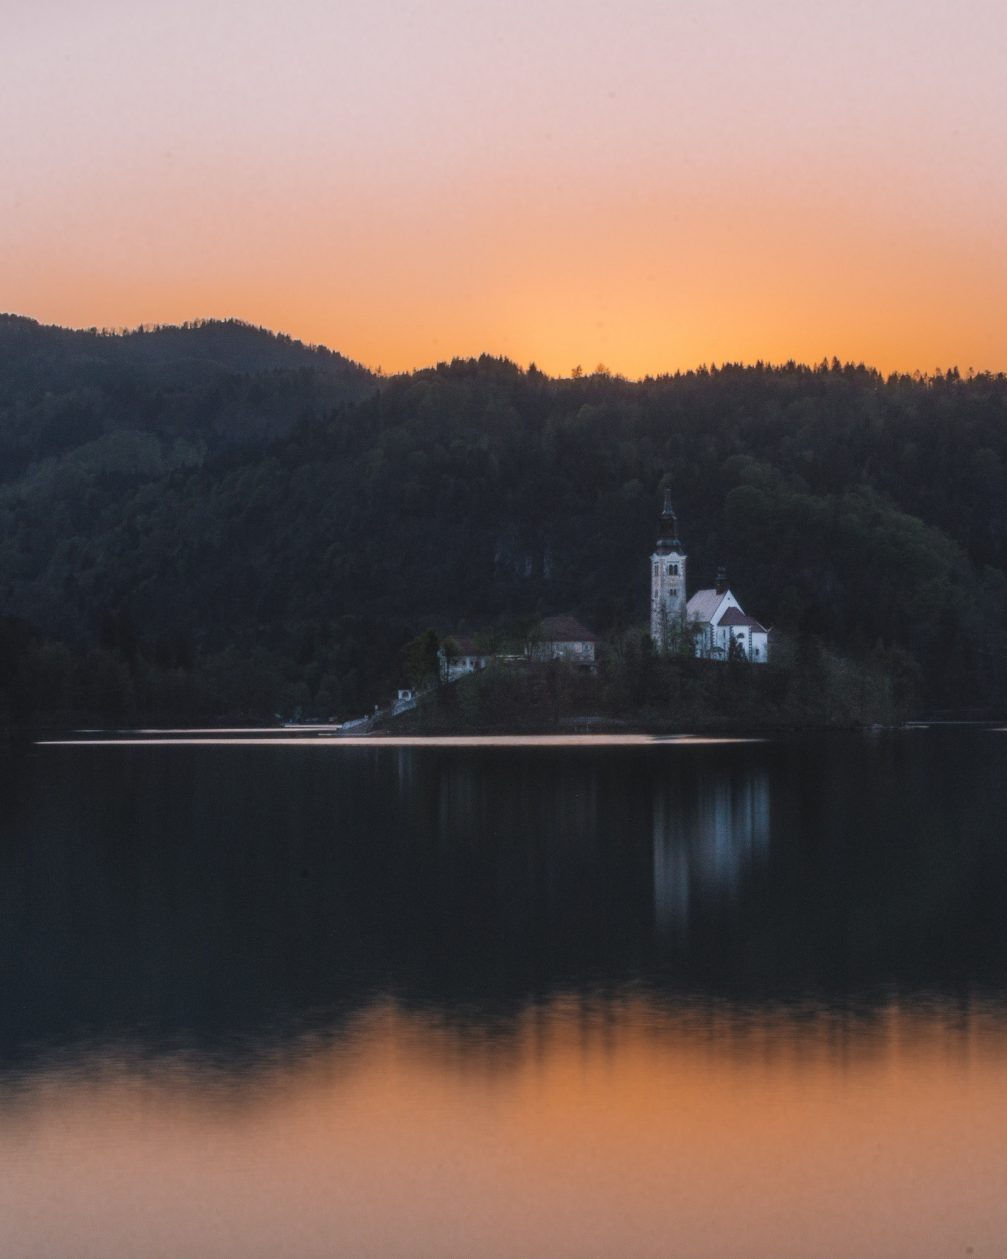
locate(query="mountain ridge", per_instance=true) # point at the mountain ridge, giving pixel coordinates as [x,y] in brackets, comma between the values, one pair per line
[310,519]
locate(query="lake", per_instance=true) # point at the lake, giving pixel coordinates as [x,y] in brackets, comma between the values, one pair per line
[553,998]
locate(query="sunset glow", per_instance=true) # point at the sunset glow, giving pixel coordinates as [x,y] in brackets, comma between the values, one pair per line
[582,1133]
[651,187]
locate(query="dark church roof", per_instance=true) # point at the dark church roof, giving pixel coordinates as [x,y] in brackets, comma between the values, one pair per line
[734,616]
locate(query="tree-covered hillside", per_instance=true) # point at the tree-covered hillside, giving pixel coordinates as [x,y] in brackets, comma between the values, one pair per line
[204,384]
[259,517]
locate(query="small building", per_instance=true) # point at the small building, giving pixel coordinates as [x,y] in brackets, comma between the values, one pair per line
[716,620]
[563,638]
[459,654]
[404,701]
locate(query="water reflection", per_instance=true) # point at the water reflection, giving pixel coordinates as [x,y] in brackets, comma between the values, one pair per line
[535,1000]
[705,842]
[218,895]
[580,1127]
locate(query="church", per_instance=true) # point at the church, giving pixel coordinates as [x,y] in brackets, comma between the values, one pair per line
[713,619]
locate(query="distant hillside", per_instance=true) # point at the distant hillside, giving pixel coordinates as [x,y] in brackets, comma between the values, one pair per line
[216,493]
[47,356]
[213,382]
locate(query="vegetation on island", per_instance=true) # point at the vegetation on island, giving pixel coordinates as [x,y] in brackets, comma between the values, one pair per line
[634,687]
[212,521]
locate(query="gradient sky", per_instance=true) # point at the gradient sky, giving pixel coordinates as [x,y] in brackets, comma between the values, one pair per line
[652,185]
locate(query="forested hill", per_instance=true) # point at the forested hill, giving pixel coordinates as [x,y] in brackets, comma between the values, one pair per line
[210,381]
[217,498]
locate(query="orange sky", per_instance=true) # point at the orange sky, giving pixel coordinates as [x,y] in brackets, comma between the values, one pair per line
[652,186]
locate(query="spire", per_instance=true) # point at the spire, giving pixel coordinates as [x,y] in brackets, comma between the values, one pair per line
[668,534]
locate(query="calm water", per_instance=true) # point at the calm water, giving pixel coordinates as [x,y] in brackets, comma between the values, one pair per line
[312,998]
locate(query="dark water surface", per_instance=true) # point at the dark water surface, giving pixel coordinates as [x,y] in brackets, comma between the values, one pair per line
[632,999]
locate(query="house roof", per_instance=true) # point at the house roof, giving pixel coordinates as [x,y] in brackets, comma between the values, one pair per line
[735,616]
[704,604]
[564,629]
[467,646]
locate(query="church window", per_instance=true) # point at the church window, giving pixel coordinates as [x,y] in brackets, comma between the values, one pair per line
[673,592]
[672,570]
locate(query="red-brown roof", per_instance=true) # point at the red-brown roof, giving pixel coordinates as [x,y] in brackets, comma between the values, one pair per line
[564,629]
[467,646]
[734,616]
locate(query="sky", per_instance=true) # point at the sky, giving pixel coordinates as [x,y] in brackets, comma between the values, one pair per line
[650,185]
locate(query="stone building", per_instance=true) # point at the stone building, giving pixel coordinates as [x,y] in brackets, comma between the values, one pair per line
[667,582]
[716,620]
[712,621]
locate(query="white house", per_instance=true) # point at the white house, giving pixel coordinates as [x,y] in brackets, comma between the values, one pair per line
[459,655]
[712,618]
[563,638]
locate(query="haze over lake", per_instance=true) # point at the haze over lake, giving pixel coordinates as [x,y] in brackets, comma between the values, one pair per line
[573,998]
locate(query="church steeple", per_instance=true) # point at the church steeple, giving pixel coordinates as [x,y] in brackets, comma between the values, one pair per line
[667,538]
[667,582]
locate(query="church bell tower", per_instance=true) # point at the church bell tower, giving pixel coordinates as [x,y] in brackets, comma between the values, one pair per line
[667,581]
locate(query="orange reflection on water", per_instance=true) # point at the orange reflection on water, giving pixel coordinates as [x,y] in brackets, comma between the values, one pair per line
[580,1129]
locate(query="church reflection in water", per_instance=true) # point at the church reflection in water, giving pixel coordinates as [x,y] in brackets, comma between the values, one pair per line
[705,838]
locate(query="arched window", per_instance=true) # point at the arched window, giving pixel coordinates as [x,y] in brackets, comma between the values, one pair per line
[672,570]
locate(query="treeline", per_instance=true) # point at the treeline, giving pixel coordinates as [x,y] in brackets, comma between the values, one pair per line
[268,525]
[124,680]
[806,685]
